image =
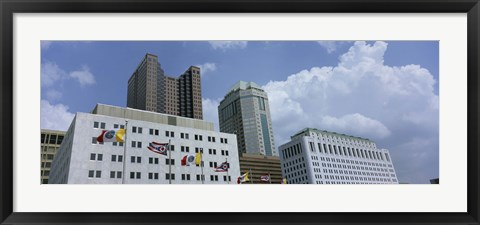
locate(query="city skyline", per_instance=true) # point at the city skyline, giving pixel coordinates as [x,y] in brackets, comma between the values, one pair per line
[320,84]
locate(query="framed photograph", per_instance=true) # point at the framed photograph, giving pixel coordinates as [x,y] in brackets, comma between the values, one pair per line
[200,112]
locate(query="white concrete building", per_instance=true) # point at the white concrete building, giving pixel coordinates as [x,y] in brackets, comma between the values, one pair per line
[321,157]
[82,160]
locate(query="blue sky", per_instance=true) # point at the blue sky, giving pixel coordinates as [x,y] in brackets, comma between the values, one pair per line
[385,91]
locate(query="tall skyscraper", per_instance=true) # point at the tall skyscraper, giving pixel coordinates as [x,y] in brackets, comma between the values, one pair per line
[322,157]
[244,111]
[151,90]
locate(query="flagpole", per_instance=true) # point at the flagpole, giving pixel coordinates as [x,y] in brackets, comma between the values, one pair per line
[201,163]
[226,160]
[251,174]
[270,178]
[169,163]
[124,152]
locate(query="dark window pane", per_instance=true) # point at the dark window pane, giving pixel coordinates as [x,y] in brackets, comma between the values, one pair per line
[53,139]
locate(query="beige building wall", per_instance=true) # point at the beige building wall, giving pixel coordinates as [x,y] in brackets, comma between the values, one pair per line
[50,141]
[258,165]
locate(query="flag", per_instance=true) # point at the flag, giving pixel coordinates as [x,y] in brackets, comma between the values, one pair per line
[198,159]
[222,168]
[243,178]
[111,136]
[284,181]
[265,178]
[159,148]
[187,160]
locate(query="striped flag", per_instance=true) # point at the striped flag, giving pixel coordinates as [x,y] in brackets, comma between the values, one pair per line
[222,168]
[159,148]
[265,178]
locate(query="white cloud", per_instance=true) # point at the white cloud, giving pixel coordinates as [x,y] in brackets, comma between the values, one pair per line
[362,96]
[51,74]
[356,124]
[206,68]
[55,117]
[45,45]
[224,45]
[210,111]
[331,46]
[53,95]
[83,76]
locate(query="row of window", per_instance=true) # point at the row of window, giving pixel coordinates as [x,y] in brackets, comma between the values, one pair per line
[51,139]
[138,144]
[138,159]
[362,143]
[154,176]
[139,130]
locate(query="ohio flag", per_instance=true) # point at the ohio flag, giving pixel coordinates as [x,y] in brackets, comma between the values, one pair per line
[159,148]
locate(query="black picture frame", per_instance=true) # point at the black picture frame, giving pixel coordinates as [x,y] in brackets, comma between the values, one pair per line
[9,7]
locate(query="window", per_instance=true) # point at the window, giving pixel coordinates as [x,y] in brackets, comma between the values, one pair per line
[102,125]
[136,159]
[59,140]
[197,150]
[135,175]
[112,174]
[94,156]
[90,173]
[171,160]
[156,132]
[134,129]
[150,132]
[119,174]
[167,176]
[98,174]
[153,176]
[139,130]
[169,134]
[114,158]
[136,144]
[95,124]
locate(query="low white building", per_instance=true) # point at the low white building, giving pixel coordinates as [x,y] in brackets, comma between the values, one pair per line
[82,160]
[321,157]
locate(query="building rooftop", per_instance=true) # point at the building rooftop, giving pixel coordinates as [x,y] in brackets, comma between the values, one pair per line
[243,85]
[154,117]
[307,130]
